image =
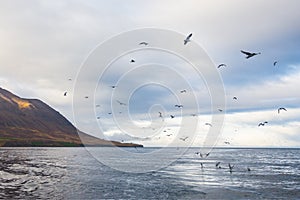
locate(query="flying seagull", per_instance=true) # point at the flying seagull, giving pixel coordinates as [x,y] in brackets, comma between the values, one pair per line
[169,135]
[179,106]
[279,109]
[65,94]
[182,91]
[230,167]
[160,115]
[275,63]
[262,123]
[113,86]
[208,124]
[249,54]
[222,65]
[234,98]
[220,110]
[86,97]
[226,142]
[172,116]
[132,61]
[217,164]
[143,43]
[121,103]
[187,39]
[183,139]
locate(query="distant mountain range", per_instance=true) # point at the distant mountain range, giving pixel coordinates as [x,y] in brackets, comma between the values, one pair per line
[31,122]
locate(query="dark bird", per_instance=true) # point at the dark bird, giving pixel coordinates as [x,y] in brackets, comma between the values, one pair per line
[220,110]
[206,155]
[109,113]
[234,98]
[279,109]
[217,164]
[121,103]
[248,169]
[172,116]
[179,106]
[65,94]
[160,115]
[183,139]
[275,63]
[187,39]
[208,124]
[182,91]
[230,167]
[201,164]
[262,124]
[226,142]
[169,135]
[86,97]
[222,65]
[143,43]
[132,61]
[113,86]
[249,54]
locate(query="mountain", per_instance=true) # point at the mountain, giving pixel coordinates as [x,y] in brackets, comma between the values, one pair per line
[31,122]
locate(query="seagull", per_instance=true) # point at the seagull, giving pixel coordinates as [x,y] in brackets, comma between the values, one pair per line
[262,124]
[201,165]
[206,155]
[275,63]
[183,139]
[249,54]
[226,142]
[182,91]
[222,65]
[187,39]
[172,116]
[109,113]
[160,115]
[248,168]
[179,106]
[132,61]
[65,94]
[230,167]
[113,86]
[143,43]
[220,110]
[169,135]
[279,109]
[217,164]
[86,97]
[121,103]
[234,98]
[208,124]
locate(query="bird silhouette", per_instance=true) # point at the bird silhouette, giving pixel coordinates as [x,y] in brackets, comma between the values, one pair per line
[179,106]
[217,164]
[172,116]
[65,94]
[220,110]
[187,39]
[121,103]
[113,86]
[132,61]
[262,123]
[169,135]
[222,65]
[208,124]
[183,139]
[279,109]
[230,167]
[226,142]
[160,115]
[234,98]
[143,43]
[86,97]
[182,91]
[275,63]
[249,54]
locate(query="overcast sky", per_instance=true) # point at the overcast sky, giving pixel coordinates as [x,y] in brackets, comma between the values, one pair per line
[44,43]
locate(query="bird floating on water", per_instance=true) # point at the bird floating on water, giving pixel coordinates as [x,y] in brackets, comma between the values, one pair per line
[187,39]
[249,54]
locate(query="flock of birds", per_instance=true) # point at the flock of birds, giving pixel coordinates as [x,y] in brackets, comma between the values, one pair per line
[247,54]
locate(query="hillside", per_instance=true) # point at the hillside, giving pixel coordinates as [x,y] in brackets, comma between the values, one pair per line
[31,122]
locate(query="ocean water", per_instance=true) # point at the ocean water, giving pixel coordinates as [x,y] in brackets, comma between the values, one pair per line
[72,173]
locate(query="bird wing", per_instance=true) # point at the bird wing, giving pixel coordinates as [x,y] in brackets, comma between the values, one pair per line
[189,36]
[247,53]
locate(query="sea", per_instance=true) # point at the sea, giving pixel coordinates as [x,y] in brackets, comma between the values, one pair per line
[73,173]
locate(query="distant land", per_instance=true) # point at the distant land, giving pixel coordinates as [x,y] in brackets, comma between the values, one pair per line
[32,123]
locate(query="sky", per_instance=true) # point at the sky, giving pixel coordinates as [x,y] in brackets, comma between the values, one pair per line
[46,43]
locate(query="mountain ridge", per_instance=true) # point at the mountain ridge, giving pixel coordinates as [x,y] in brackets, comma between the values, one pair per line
[31,122]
